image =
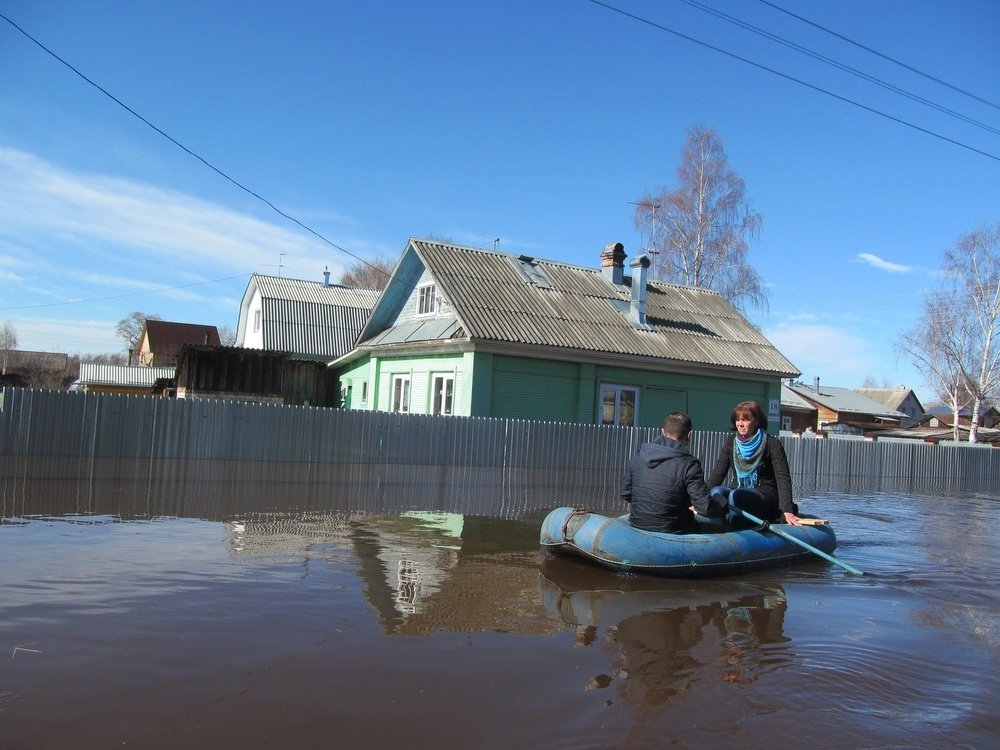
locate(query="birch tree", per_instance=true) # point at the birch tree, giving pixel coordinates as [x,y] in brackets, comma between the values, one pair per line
[935,347]
[8,343]
[973,268]
[956,342]
[700,231]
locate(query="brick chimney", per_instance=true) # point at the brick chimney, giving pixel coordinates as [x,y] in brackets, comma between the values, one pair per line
[326,277]
[640,270]
[613,262]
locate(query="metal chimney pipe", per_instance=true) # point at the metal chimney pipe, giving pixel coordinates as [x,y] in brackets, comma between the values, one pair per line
[640,271]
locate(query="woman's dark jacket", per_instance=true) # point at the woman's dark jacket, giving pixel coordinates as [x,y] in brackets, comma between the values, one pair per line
[661,484]
[773,476]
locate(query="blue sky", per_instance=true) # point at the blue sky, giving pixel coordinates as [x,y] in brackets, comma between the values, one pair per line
[537,123]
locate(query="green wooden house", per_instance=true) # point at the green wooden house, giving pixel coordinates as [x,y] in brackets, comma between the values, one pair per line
[472,332]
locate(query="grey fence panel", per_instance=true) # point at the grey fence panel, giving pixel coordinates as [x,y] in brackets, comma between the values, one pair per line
[95,435]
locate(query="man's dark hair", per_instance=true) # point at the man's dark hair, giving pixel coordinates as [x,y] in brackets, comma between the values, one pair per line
[677,425]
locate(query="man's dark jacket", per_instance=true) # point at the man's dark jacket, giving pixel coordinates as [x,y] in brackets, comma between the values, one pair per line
[661,484]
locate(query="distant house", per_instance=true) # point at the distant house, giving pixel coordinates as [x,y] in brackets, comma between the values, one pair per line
[161,341]
[797,414]
[472,332]
[901,399]
[845,411]
[989,416]
[305,318]
[143,381]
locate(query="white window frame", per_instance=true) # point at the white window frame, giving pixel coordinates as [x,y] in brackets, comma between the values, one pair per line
[364,391]
[399,397]
[426,299]
[618,390]
[446,404]
[786,424]
[256,321]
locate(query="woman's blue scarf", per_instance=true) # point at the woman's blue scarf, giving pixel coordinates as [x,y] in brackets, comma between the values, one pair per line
[746,458]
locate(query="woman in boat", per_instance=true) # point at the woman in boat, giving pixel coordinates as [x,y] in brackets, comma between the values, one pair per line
[757,461]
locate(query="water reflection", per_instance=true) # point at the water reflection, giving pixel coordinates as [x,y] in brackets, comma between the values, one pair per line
[220,490]
[667,632]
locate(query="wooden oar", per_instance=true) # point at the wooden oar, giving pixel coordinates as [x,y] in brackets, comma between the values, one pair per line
[785,535]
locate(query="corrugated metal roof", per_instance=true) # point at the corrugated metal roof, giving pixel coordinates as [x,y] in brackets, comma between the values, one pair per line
[493,302]
[891,397]
[791,400]
[138,377]
[311,318]
[297,290]
[844,400]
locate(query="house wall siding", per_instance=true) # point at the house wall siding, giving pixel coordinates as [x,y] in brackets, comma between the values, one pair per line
[380,372]
[254,339]
[481,384]
[525,388]
[409,312]
[510,387]
[539,389]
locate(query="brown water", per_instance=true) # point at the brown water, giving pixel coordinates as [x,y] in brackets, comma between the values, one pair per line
[291,616]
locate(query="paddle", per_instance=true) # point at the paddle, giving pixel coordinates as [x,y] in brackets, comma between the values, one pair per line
[785,535]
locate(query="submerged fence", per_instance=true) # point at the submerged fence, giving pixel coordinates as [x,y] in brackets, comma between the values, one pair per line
[48,435]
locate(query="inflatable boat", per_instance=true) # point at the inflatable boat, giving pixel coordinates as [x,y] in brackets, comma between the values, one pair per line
[615,544]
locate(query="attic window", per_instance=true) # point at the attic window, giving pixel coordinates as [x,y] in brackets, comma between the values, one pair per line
[427,299]
[531,271]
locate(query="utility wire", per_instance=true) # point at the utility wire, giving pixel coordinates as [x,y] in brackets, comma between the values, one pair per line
[841,66]
[883,56]
[184,148]
[727,53]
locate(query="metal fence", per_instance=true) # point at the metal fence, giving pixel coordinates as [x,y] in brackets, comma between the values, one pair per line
[144,439]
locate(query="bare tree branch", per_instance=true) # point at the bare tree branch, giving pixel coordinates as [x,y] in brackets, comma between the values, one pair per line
[701,230]
[368,274]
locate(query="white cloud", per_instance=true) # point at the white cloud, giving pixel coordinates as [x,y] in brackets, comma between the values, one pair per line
[69,237]
[884,265]
[842,357]
[69,335]
[45,208]
[823,351]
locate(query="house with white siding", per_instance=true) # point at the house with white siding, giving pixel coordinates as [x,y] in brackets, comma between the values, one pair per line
[305,318]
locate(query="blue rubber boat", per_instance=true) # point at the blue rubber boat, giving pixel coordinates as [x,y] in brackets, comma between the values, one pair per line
[614,544]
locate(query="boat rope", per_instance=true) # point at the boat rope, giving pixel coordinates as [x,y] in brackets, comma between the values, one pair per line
[577,511]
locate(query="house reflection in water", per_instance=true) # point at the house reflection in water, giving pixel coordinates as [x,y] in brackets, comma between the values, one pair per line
[422,571]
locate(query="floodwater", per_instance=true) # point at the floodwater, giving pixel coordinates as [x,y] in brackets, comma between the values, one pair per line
[287,616]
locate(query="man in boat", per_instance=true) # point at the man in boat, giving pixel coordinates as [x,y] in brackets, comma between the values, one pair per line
[664,481]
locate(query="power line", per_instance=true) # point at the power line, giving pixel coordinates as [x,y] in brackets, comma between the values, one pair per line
[839,65]
[184,148]
[786,76]
[883,56]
